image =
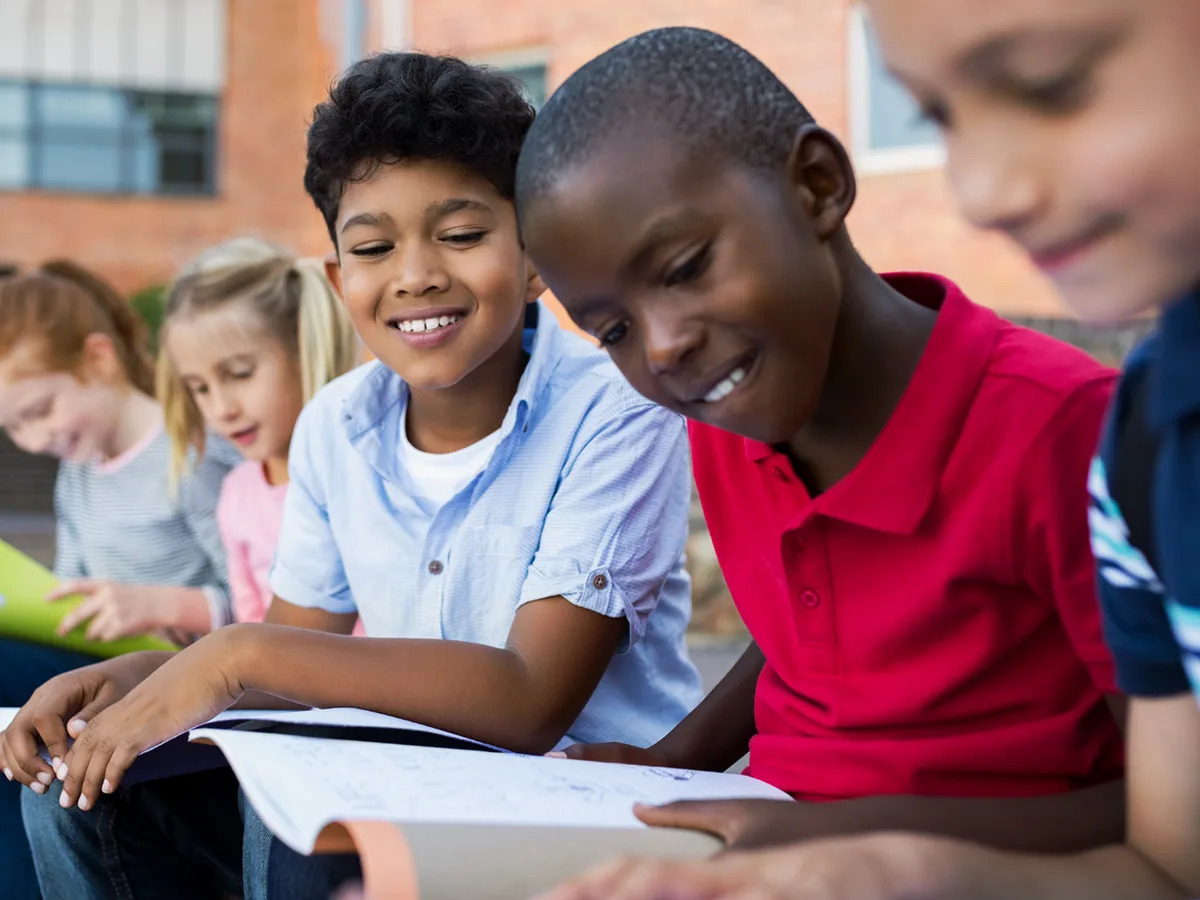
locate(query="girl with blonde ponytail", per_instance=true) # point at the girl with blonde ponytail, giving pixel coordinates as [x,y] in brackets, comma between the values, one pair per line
[250,334]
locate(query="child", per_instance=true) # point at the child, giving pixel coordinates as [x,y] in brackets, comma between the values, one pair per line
[927,643]
[76,382]
[1073,127]
[504,512]
[250,334]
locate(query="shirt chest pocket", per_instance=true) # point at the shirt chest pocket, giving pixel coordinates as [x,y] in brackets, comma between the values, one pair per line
[487,567]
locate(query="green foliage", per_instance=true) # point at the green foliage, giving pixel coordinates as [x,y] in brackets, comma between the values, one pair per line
[149,303]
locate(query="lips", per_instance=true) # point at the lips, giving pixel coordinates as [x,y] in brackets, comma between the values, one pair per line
[720,386]
[1058,255]
[245,437]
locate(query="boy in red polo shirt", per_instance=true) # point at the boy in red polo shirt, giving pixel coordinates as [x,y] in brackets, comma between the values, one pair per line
[894,477]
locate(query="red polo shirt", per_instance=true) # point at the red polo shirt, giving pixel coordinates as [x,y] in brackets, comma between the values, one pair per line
[930,622]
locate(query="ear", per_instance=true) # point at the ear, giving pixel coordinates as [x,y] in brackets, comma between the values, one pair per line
[333,271]
[820,171]
[100,361]
[534,287]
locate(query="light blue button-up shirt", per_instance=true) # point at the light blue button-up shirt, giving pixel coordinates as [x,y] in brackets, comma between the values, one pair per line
[585,497]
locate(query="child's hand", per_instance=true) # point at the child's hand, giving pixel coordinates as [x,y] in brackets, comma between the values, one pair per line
[189,689]
[115,610]
[874,867]
[614,753]
[58,711]
[741,824]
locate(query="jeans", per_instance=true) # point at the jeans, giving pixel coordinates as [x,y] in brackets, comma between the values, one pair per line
[23,669]
[175,839]
[274,871]
[179,838]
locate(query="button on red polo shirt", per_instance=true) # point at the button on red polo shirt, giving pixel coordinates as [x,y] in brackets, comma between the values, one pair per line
[930,622]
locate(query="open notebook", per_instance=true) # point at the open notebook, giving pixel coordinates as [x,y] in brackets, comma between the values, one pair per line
[466,819]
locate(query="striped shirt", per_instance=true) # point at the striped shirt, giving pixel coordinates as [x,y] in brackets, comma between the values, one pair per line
[585,497]
[118,521]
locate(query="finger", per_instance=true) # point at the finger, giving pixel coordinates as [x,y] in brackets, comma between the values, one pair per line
[23,766]
[105,626]
[719,817]
[81,719]
[53,735]
[71,587]
[592,884]
[90,747]
[80,614]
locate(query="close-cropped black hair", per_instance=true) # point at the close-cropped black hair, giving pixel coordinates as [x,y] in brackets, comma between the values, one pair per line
[717,98]
[394,107]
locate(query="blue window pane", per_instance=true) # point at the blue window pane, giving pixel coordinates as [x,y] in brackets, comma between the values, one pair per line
[14,163]
[94,166]
[533,78]
[895,120]
[81,107]
[14,108]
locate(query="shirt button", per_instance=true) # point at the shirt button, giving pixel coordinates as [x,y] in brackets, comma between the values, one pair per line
[435,568]
[600,582]
[811,599]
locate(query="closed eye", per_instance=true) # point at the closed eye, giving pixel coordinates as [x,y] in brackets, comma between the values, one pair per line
[371,250]
[613,336]
[464,238]
[690,269]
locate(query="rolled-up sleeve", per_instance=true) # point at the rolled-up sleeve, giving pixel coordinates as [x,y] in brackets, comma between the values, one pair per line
[617,525]
[308,568]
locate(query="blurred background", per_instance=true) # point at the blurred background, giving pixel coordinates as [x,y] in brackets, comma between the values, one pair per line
[135,133]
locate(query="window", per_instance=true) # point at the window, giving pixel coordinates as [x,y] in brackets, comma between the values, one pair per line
[887,131]
[106,140]
[527,66]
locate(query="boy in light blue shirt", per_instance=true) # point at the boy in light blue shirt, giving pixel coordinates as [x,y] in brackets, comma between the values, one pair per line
[504,512]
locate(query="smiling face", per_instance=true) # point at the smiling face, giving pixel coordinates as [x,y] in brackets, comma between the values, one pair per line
[432,271]
[1071,125]
[68,415]
[242,379]
[713,286]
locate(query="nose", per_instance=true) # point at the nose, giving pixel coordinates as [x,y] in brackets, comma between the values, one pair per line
[995,178]
[670,340]
[225,406]
[421,271]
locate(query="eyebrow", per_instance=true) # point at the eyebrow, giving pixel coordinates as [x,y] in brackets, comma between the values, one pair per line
[361,219]
[992,56]
[656,234]
[437,210]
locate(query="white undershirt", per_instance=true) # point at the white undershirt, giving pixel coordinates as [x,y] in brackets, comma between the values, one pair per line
[437,477]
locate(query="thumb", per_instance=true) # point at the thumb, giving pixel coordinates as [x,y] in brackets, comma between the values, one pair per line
[70,588]
[719,817]
[80,720]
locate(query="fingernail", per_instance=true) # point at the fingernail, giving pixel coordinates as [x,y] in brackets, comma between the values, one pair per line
[107,786]
[62,771]
[38,788]
[45,778]
[64,801]
[55,763]
[77,725]
[83,802]
[556,754]
[8,773]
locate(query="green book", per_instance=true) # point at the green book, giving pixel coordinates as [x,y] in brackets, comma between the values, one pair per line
[26,616]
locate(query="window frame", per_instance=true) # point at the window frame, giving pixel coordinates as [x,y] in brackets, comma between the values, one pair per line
[509,61]
[33,136]
[877,160]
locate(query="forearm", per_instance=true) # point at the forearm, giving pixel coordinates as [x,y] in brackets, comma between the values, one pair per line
[717,733]
[930,869]
[1060,823]
[481,692]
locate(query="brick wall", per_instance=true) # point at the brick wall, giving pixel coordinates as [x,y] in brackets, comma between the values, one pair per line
[279,64]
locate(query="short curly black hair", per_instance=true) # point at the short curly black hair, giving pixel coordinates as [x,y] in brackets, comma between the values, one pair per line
[717,99]
[393,107]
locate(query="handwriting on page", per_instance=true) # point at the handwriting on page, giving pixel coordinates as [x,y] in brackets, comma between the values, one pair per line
[298,785]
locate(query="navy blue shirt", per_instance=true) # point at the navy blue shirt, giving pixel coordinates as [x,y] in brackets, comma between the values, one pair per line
[1152,605]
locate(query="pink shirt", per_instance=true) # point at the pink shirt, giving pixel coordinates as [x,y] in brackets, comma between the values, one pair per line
[249,517]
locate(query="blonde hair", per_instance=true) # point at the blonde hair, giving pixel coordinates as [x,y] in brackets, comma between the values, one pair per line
[60,306]
[290,296]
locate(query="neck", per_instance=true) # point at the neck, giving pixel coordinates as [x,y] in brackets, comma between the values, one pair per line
[275,470]
[137,417]
[878,342]
[449,419]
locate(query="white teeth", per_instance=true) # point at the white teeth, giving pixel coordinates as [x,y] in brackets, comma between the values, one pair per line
[433,323]
[725,387]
